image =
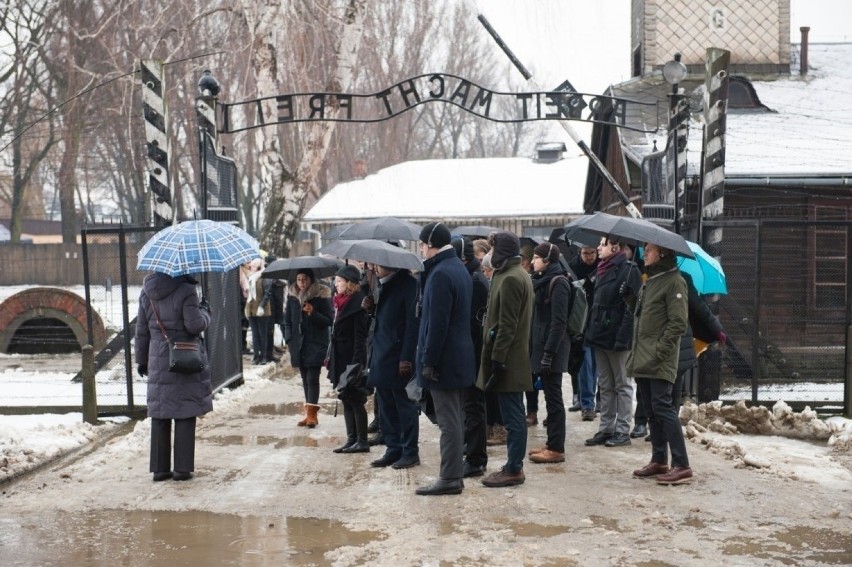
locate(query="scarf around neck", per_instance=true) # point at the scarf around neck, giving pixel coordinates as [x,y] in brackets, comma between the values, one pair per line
[607,264]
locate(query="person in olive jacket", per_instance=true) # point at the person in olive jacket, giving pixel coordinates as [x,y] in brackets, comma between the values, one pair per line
[306,322]
[392,365]
[505,365]
[661,319]
[169,309]
[445,361]
[550,345]
[609,332]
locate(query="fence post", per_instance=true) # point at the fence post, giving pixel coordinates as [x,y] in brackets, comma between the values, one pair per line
[90,399]
[847,387]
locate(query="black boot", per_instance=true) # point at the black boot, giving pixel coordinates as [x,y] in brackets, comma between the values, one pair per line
[360,418]
[351,438]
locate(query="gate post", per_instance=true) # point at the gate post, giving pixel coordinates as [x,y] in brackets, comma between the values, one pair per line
[90,396]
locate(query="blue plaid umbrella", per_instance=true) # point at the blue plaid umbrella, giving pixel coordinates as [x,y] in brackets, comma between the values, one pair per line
[197,246]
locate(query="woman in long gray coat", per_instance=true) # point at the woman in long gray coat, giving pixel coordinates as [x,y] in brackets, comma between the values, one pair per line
[171,305]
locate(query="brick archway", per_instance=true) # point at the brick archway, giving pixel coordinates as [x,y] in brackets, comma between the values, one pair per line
[53,303]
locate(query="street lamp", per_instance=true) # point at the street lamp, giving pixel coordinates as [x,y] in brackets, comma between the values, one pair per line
[674,72]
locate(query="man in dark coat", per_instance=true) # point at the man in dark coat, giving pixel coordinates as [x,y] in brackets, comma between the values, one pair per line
[394,346]
[550,345]
[475,426]
[445,361]
[169,310]
[505,365]
[610,332]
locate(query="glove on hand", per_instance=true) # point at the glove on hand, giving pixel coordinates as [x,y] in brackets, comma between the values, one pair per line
[430,373]
[625,290]
[546,363]
[368,304]
[722,337]
[142,369]
[498,370]
[405,369]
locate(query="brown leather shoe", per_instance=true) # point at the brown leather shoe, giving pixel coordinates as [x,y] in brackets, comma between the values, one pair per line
[678,475]
[548,456]
[539,450]
[502,478]
[532,418]
[588,415]
[651,470]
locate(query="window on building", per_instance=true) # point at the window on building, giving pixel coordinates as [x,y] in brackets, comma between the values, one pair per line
[830,257]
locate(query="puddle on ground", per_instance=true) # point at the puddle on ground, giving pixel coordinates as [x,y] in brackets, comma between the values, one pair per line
[291,408]
[116,537]
[820,545]
[277,442]
[608,523]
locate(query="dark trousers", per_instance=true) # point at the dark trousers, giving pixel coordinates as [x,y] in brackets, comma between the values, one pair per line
[492,409]
[161,445]
[532,397]
[475,429]
[555,412]
[663,421]
[512,410]
[310,382]
[641,418]
[399,421]
[450,418]
[259,328]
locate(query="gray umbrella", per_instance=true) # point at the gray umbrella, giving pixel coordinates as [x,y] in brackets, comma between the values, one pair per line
[474,231]
[629,228]
[374,252]
[287,268]
[334,232]
[384,228]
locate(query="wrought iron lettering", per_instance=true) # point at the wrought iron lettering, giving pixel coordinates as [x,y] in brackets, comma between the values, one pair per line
[423,89]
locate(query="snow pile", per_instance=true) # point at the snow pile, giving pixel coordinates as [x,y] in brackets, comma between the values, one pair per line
[758,420]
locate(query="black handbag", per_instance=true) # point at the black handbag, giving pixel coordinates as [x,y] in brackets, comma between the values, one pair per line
[184,356]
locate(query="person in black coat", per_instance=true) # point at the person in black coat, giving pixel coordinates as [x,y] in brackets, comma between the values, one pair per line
[348,346]
[475,424]
[169,310]
[306,321]
[445,360]
[610,332]
[394,347]
[550,345]
[581,363]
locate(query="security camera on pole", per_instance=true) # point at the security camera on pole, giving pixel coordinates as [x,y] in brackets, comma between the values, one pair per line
[205,112]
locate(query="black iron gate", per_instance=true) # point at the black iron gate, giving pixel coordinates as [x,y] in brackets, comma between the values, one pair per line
[788,312]
[112,284]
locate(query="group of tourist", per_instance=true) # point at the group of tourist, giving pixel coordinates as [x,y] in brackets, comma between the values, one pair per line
[482,326]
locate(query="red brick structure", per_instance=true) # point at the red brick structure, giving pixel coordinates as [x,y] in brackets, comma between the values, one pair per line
[53,303]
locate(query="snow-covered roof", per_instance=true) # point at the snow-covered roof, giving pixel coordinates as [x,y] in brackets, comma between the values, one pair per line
[808,130]
[460,188]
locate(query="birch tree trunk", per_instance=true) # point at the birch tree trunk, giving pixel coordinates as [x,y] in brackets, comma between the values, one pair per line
[289,194]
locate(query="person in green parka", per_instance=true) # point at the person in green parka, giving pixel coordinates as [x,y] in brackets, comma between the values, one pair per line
[660,319]
[505,367]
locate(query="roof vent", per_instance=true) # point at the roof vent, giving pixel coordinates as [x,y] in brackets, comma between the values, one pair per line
[549,152]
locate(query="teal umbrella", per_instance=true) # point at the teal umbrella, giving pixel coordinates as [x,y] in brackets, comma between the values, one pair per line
[707,273]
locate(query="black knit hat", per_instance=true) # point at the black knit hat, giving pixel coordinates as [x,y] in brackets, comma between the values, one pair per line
[435,234]
[464,247]
[547,251]
[308,272]
[349,273]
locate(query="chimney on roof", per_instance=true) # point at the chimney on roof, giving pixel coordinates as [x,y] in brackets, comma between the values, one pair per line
[803,66]
[549,152]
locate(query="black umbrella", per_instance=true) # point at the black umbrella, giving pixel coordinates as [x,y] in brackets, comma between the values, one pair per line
[373,251]
[287,268]
[528,241]
[474,231]
[334,232]
[576,237]
[640,230]
[384,228]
